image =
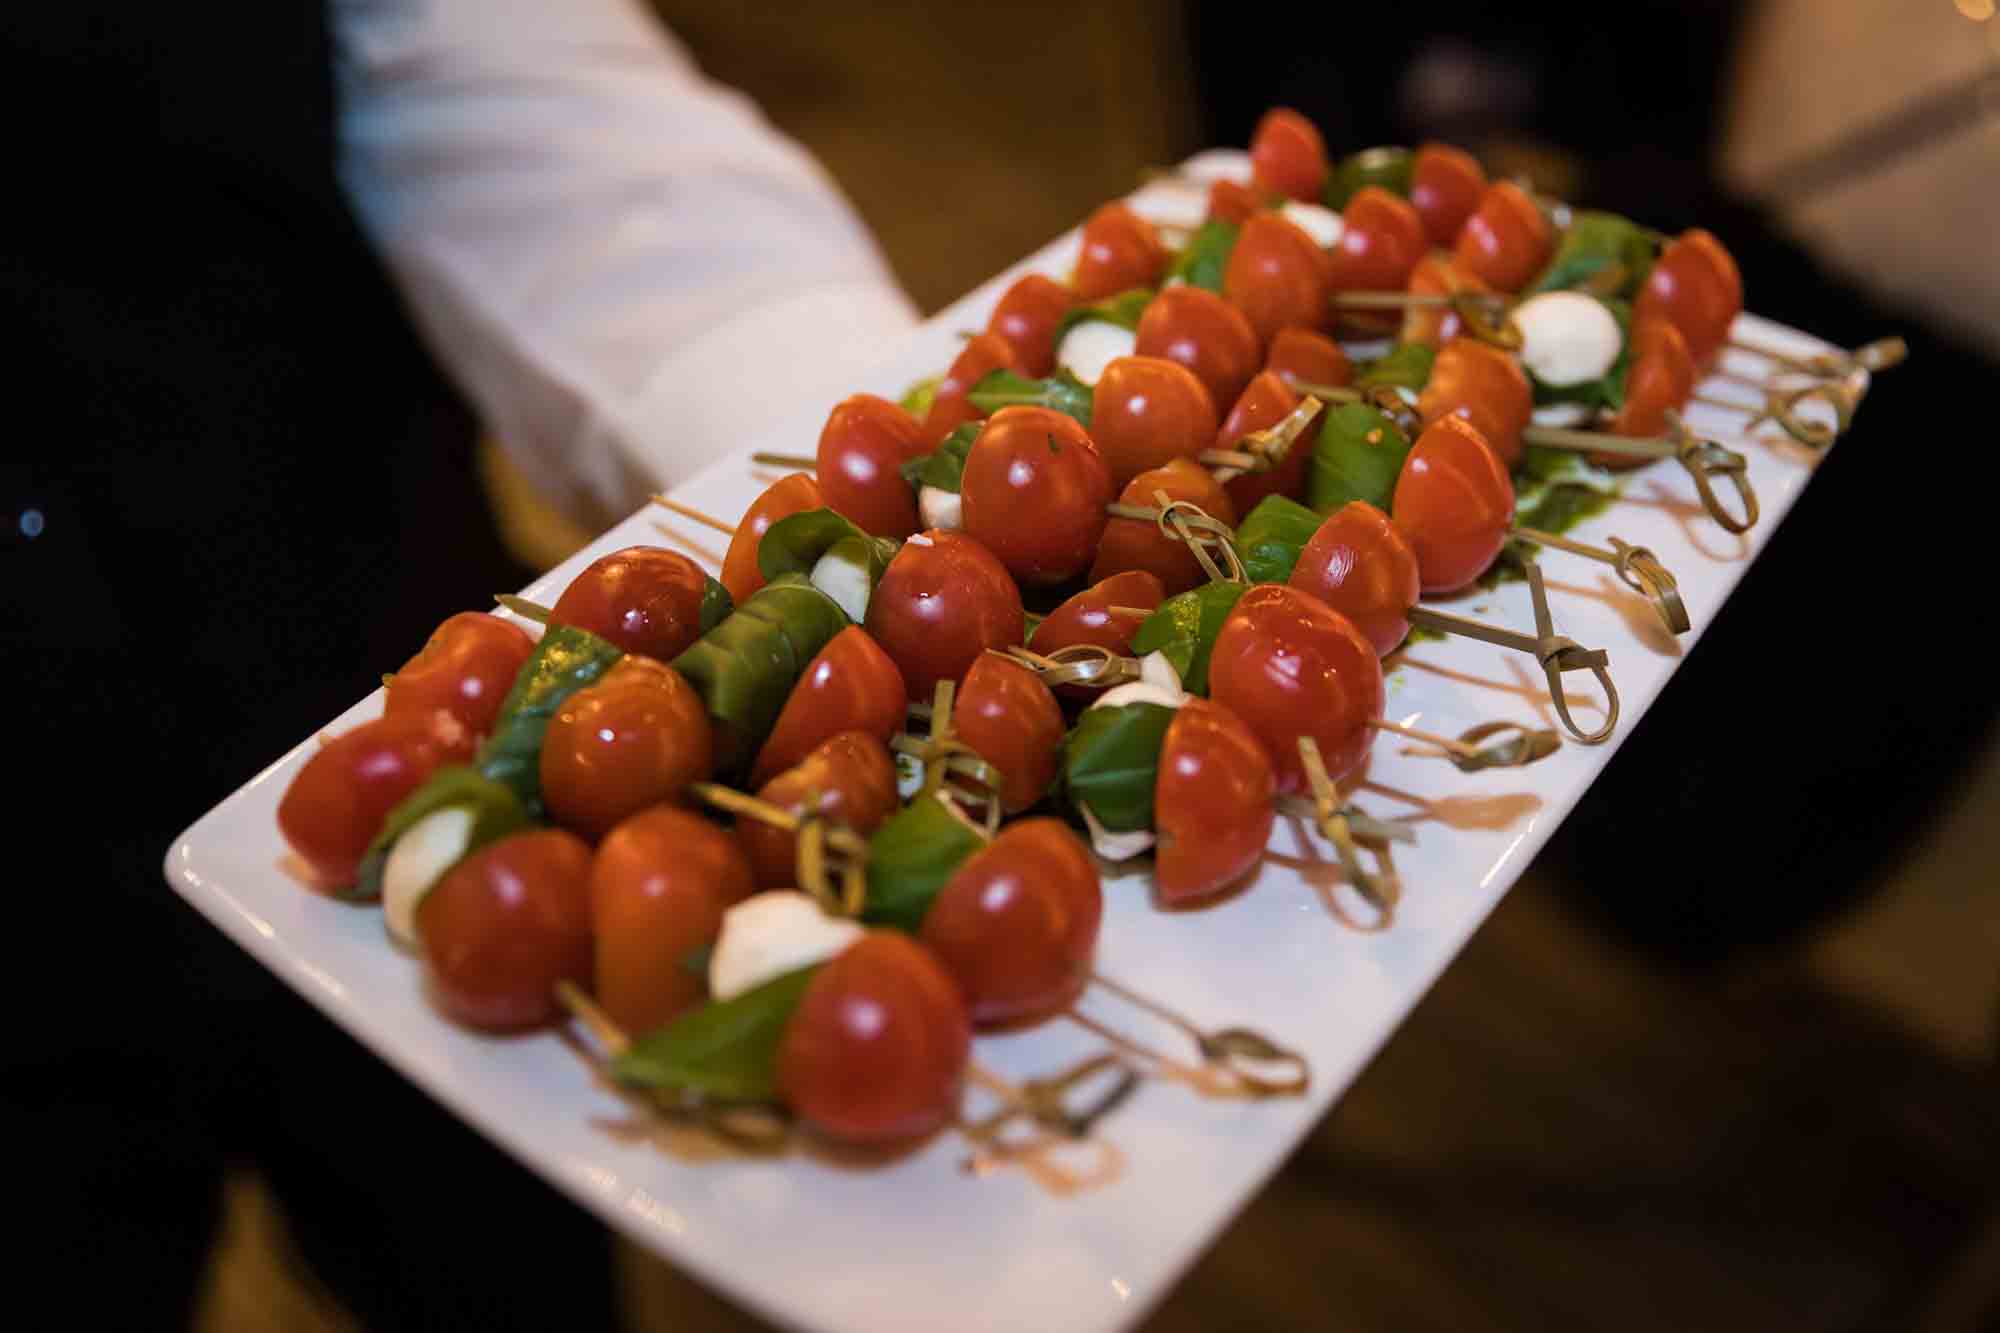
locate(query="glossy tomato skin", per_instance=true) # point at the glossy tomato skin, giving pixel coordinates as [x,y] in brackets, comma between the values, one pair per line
[850,685]
[1277,277]
[1212,803]
[645,599]
[865,442]
[1661,378]
[1138,544]
[1381,241]
[1487,387]
[1453,502]
[1301,356]
[941,603]
[1146,411]
[636,738]
[1198,329]
[781,499]
[1121,250]
[1026,316]
[1359,564]
[1005,712]
[1696,286]
[1033,493]
[1267,401]
[505,925]
[1289,665]
[1288,156]
[339,799]
[950,409]
[466,668]
[1016,925]
[659,885]
[1437,274]
[1506,241]
[1232,201]
[850,778]
[1445,186]
[876,1049]
[1087,618]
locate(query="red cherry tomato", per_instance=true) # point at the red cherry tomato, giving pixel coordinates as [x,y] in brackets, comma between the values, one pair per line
[1232,201]
[466,668]
[1200,330]
[849,779]
[1437,274]
[1121,250]
[645,599]
[1133,543]
[941,603]
[866,440]
[336,804]
[1381,241]
[850,685]
[1453,501]
[1660,381]
[1265,403]
[1290,666]
[1026,317]
[1276,277]
[1361,566]
[505,925]
[1211,802]
[1300,356]
[1506,241]
[1033,493]
[1003,711]
[980,357]
[658,888]
[1487,387]
[783,498]
[1445,186]
[1146,411]
[636,738]
[1016,924]
[1087,617]
[1287,155]
[876,1049]
[1696,285]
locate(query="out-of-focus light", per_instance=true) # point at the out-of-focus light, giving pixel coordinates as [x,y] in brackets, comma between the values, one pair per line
[1977,10]
[32,523]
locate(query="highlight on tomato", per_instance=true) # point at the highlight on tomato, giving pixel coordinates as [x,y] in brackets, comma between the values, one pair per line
[943,601]
[1359,563]
[505,925]
[1033,493]
[466,667]
[1146,411]
[636,738]
[645,599]
[862,449]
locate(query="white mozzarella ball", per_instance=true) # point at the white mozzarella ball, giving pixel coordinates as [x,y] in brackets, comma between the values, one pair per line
[1315,220]
[1567,338]
[940,508]
[1092,345]
[428,848]
[769,934]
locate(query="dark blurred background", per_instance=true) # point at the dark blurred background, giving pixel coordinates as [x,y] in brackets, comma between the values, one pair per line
[1724,1058]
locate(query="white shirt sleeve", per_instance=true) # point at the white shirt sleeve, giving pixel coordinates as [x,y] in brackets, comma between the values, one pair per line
[623,266]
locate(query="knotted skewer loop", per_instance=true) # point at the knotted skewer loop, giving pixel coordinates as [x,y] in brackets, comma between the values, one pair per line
[1703,459]
[1046,1101]
[1186,521]
[954,769]
[1087,664]
[833,859]
[1382,890]
[1523,746]
[1264,450]
[1878,355]
[1637,568]
[1247,1060]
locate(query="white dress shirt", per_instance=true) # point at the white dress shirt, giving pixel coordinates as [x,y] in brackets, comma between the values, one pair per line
[623,266]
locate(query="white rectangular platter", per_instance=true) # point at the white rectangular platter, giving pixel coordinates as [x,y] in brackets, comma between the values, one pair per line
[920,1243]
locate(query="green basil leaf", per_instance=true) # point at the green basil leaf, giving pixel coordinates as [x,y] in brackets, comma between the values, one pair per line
[1358,456]
[1389,168]
[910,858]
[1206,257]
[716,604]
[1593,243]
[1111,759]
[1407,366]
[496,812]
[1559,488]
[1272,535]
[566,660]
[744,669]
[794,544]
[944,468]
[917,399]
[1184,629]
[1062,391]
[1124,310]
[727,1050]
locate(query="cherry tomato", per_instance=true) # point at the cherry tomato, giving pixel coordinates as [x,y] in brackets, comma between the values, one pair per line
[1003,711]
[1087,617]
[1232,201]
[1445,186]
[866,440]
[1381,241]
[1033,493]
[850,685]
[505,925]
[1487,387]
[1289,665]
[1016,925]
[1134,543]
[1146,411]
[1287,155]
[1026,317]
[942,602]
[1359,564]
[1300,356]
[1506,241]
[1265,403]
[849,778]
[636,738]
[1277,277]
[1696,285]
[1211,802]
[783,498]
[1200,330]
[658,888]
[466,668]
[336,804]
[1660,381]
[1121,250]
[1437,274]
[1453,501]
[878,1044]
[980,357]
[645,599]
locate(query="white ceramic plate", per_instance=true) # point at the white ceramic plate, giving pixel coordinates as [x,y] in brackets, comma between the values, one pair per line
[921,1243]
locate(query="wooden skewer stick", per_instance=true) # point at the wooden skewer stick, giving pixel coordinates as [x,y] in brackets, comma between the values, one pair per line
[786,460]
[686,511]
[1637,568]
